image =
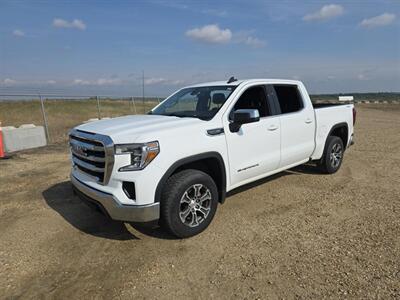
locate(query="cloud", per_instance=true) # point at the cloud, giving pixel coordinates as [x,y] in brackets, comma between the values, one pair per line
[8,81]
[210,34]
[107,81]
[75,24]
[18,32]
[51,82]
[246,37]
[362,76]
[161,80]
[98,82]
[81,82]
[325,13]
[254,42]
[378,21]
[155,80]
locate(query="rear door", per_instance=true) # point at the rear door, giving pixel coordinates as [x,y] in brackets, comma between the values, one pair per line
[297,124]
[255,149]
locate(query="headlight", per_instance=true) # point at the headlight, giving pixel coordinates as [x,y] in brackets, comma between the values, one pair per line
[141,154]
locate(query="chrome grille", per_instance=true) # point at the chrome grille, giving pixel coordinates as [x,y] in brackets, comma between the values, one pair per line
[92,154]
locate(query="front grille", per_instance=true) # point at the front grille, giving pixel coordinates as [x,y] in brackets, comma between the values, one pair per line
[92,154]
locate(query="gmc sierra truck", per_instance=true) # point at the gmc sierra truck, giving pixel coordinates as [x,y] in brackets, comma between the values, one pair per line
[176,163]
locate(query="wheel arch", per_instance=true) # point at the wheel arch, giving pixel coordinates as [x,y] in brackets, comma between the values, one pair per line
[211,163]
[340,130]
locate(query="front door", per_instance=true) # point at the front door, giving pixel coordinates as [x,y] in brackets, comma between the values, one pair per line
[255,149]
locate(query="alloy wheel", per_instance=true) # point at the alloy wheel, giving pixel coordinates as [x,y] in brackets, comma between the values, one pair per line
[336,155]
[195,205]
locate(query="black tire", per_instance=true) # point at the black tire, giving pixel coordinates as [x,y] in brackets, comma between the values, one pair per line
[172,210]
[334,146]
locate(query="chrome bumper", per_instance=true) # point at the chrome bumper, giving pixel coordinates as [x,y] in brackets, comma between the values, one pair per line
[117,211]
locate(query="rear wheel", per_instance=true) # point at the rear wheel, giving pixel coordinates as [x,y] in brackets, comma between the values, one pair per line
[189,202]
[333,155]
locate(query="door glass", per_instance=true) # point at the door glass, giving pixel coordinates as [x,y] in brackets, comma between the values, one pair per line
[289,98]
[253,98]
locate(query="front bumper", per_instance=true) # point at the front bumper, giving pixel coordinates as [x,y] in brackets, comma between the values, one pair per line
[117,211]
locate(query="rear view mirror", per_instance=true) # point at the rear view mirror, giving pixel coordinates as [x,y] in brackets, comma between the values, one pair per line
[243,116]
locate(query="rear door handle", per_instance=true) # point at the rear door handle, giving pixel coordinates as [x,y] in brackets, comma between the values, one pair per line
[272,127]
[308,121]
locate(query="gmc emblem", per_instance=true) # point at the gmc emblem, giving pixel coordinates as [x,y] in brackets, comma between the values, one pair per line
[79,150]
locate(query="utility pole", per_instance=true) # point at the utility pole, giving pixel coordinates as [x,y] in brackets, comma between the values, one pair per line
[46,125]
[98,107]
[144,109]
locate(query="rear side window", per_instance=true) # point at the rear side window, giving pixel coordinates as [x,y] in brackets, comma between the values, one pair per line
[289,98]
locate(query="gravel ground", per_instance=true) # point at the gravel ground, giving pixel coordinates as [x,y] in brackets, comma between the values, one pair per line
[299,234]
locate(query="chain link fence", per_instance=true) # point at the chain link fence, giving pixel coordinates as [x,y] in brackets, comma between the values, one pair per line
[58,114]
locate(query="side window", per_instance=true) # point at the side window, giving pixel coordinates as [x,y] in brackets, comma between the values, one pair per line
[289,98]
[254,98]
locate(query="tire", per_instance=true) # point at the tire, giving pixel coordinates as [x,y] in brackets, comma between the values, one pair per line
[333,155]
[182,211]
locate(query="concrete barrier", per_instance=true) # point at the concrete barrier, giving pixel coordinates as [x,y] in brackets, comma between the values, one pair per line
[27,136]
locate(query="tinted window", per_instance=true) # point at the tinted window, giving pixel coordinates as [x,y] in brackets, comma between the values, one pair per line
[254,98]
[289,98]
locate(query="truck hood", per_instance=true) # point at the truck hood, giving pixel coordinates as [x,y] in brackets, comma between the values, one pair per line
[129,129]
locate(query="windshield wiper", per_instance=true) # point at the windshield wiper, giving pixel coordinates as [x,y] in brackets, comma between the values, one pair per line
[181,116]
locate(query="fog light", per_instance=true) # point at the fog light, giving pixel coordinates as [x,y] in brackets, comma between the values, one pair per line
[129,189]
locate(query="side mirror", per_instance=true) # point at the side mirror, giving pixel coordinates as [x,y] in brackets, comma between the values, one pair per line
[243,116]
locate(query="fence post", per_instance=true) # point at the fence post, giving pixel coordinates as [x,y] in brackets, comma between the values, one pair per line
[158,100]
[98,107]
[46,125]
[134,105]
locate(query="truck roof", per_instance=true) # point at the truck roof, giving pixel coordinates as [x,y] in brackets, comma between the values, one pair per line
[245,81]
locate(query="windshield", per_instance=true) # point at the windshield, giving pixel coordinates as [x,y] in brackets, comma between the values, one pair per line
[195,102]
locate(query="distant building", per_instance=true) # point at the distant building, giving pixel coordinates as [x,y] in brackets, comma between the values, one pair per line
[346,98]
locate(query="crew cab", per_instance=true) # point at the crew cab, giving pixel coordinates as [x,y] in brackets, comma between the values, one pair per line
[176,163]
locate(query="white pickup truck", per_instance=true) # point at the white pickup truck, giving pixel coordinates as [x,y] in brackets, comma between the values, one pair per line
[176,163]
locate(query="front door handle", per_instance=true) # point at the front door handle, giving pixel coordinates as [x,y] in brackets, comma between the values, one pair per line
[272,127]
[308,121]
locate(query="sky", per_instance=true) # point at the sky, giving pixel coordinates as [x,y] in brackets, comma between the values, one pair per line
[102,47]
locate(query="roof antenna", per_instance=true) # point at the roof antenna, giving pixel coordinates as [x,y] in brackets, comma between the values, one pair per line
[232,79]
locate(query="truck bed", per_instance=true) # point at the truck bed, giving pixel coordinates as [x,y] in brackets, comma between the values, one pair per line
[328,115]
[323,105]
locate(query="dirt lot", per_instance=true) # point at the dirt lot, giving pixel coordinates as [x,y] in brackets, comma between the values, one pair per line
[299,234]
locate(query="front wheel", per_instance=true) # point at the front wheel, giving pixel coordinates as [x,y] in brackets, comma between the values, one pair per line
[189,202]
[333,155]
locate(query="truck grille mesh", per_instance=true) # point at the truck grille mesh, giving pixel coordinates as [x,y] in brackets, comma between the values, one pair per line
[89,154]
